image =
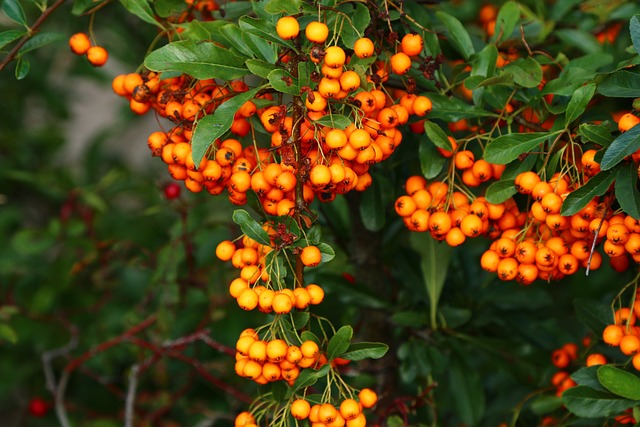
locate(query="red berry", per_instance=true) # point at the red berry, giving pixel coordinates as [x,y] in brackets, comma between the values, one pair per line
[171,191]
[38,407]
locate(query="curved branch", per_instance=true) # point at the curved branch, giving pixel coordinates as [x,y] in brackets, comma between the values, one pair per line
[32,31]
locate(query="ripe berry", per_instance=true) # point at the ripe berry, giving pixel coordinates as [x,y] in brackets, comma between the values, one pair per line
[79,43]
[171,191]
[287,27]
[38,407]
[97,56]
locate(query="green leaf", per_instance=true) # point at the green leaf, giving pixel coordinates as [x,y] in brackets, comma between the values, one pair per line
[589,403]
[436,135]
[289,7]
[307,378]
[626,188]
[336,121]
[588,376]
[13,10]
[431,161]
[506,21]
[282,81]
[7,333]
[624,145]
[458,35]
[166,8]
[621,84]
[372,209]
[500,191]
[260,68]
[142,9]
[202,60]
[354,27]
[546,404]
[39,40]
[327,252]
[619,382]
[263,28]
[483,64]
[365,350]
[339,343]
[579,101]
[517,166]
[470,401]
[232,33]
[434,262]
[594,315]
[213,126]
[250,227]
[634,29]
[596,186]
[599,134]
[8,36]
[453,109]
[22,68]
[507,148]
[579,39]
[526,72]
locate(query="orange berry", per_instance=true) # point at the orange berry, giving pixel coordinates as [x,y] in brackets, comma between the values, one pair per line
[630,344]
[400,63]
[349,409]
[287,27]
[225,250]
[334,57]
[613,334]
[97,56]
[628,121]
[311,256]
[79,43]
[300,409]
[596,359]
[368,398]
[412,44]
[363,47]
[316,32]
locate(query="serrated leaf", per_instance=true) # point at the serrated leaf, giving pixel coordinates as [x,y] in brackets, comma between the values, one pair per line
[624,145]
[336,121]
[619,382]
[431,161]
[39,40]
[365,350]
[506,21]
[458,35]
[282,81]
[507,148]
[8,36]
[500,191]
[13,10]
[213,126]
[250,227]
[526,72]
[599,134]
[579,198]
[595,316]
[203,60]
[339,343]
[634,30]
[589,403]
[142,9]
[626,189]
[579,101]
[621,84]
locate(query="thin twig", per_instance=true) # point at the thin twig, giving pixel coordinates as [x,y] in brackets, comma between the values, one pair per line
[32,31]
[131,395]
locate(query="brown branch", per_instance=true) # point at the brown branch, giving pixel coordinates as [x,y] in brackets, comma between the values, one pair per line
[32,31]
[110,343]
